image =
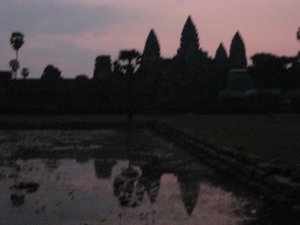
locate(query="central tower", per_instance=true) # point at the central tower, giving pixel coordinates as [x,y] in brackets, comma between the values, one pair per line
[189,41]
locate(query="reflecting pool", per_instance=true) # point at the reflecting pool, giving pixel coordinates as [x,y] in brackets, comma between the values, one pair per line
[109,177]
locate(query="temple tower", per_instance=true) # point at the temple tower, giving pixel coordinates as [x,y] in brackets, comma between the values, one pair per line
[237,56]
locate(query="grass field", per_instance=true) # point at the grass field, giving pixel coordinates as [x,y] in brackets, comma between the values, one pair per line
[269,136]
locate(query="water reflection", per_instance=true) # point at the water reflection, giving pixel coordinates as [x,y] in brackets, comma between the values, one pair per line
[189,187]
[130,194]
[51,164]
[151,181]
[103,168]
[128,188]
[140,182]
[133,183]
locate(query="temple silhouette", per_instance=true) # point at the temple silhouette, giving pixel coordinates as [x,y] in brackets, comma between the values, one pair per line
[191,81]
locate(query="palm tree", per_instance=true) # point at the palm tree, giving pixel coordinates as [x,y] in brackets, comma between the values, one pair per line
[25,73]
[129,61]
[127,64]
[14,65]
[16,42]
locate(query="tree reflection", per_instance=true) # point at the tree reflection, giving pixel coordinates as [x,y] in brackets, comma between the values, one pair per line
[131,185]
[128,188]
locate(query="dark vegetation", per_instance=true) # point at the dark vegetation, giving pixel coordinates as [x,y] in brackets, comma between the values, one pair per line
[267,136]
[16,42]
[191,81]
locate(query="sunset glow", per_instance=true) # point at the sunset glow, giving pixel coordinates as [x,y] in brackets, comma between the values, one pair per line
[71,33]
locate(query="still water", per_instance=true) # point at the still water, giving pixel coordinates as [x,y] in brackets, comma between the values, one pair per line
[110,177]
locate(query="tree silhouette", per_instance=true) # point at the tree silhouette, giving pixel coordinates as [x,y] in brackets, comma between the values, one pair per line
[102,66]
[25,73]
[127,64]
[151,53]
[129,61]
[14,65]
[51,73]
[189,41]
[16,42]
[82,77]
[237,56]
[298,34]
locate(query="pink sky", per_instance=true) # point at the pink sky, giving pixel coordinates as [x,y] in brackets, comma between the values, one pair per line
[71,33]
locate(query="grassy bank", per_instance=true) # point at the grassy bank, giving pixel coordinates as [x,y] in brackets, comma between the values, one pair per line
[269,136]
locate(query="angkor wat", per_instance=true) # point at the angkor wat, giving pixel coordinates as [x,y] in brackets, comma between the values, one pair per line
[191,81]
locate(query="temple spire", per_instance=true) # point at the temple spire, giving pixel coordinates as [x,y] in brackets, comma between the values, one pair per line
[237,56]
[221,54]
[151,51]
[189,41]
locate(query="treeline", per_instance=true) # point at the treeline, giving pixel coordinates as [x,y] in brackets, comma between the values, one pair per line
[274,79]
